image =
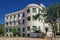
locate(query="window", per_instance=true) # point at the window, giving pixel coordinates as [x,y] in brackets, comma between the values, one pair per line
[23,21]
[23,29]
[18,15]
[28,28]
[6,34]
[10,34]
[7,23]
[34,10]
[9,30]
[28,35]
[34,28]
[18,29]
[24,35]
[6,30]
[18,21]
[28,10]
[14,16]
[39,29]
[29,18]
[23,15]
[18,34]
[39,11]
[46,29]
[14,22]
[10,23]
[10,17]
[7,17]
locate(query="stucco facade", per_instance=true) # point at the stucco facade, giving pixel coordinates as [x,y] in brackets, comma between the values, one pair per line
[23,20]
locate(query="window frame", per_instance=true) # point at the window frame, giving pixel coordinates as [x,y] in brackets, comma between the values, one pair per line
[14,22]
[28,18]
[7,17]
[10,29]
[10,17]
[24,35]
[28,35]
[28,10]
[14,16]
[18,15]
[23,21]
[7,23]
[34,10]
[23,14]
[28,28]
[23,29]
[19,29]
[10,23]
[6,29]
[34,28]
[18,21]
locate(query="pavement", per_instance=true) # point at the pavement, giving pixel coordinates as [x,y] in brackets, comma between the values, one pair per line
[21,38]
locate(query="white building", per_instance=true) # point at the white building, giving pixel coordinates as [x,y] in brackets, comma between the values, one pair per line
[23,21]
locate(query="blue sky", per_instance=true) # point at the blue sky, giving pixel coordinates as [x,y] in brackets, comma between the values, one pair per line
[8,6]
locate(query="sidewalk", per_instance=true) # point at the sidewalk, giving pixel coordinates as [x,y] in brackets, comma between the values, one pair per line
[18,38]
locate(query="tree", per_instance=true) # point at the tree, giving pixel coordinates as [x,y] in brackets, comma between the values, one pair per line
[2,31]
[14,31]
[53,13]
[35,17]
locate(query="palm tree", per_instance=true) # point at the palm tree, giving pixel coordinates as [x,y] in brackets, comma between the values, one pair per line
[53,16]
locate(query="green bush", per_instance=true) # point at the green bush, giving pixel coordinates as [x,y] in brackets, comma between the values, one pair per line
[58,33]
[2,31]
[14,31]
